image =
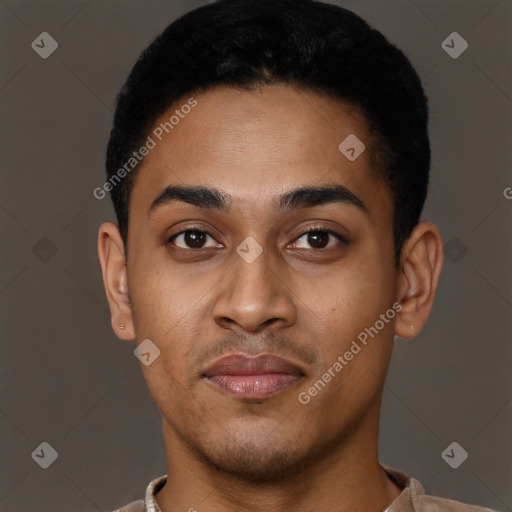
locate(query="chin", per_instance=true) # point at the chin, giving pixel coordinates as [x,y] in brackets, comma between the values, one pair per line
[255,463]
[260,454]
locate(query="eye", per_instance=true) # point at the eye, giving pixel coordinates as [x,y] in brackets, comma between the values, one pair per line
[316,238]
[193,239]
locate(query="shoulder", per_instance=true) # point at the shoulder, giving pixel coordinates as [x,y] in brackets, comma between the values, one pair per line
[413,497]
[135,506]
[433,503]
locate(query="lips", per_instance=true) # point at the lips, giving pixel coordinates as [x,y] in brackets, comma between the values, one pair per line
[253,377]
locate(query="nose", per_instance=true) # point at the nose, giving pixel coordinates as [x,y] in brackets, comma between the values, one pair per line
[253,297]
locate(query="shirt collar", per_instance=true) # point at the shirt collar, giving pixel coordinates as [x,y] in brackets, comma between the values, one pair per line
[403,503]
[152,489]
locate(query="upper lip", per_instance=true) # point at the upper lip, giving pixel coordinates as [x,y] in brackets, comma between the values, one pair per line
[243,364]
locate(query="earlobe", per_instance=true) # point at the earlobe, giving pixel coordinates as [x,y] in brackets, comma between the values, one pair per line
[115,280]
[421,264]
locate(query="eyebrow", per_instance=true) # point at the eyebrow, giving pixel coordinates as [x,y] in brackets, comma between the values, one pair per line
[307,197]
[202,197]
[210,198]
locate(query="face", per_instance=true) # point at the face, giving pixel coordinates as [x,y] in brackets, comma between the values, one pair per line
[255,285]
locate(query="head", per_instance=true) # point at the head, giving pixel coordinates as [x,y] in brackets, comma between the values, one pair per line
[275,209]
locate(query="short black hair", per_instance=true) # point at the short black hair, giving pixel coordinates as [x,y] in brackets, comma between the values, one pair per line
[303,43]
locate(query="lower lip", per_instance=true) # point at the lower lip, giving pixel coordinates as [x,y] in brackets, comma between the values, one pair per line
[254,386]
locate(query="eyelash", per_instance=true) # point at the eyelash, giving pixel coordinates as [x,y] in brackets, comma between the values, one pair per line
[312,229]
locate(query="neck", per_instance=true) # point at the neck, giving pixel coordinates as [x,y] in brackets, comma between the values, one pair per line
[348,478]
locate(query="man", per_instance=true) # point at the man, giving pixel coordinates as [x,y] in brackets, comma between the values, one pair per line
[268,166]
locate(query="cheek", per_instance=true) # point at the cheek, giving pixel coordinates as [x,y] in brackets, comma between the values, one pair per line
[163,298]
[165,311]
[169,309]
[348,298]
[345,308]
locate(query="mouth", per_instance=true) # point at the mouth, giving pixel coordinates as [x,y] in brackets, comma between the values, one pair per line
[253,377]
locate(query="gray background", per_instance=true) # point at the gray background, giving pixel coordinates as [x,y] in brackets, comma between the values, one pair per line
[67,380]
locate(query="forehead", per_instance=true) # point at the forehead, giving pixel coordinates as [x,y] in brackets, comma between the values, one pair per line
[254,145]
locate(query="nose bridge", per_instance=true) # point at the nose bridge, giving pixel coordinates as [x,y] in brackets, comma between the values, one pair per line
[254,278]
[252,294]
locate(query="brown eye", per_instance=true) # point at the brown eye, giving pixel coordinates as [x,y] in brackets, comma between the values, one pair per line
[193,239]
[317,239]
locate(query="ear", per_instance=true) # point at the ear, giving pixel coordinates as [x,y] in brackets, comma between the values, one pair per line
[113,269]
[420,268]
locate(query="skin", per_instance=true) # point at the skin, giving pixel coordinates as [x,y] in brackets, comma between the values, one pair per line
[297,299]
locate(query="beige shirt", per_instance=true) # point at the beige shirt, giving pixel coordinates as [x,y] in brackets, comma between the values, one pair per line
[412,498]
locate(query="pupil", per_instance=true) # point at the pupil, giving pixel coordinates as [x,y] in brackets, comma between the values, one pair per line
[194,238]
[318,239]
